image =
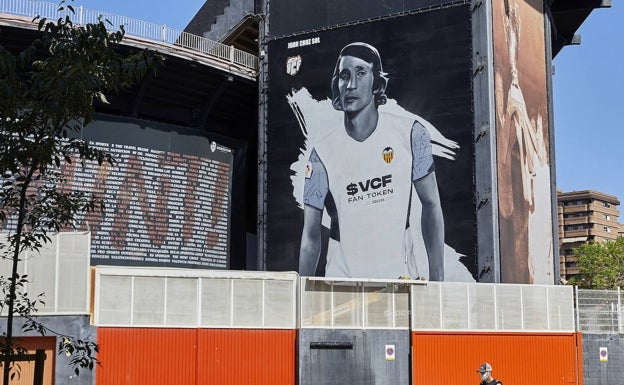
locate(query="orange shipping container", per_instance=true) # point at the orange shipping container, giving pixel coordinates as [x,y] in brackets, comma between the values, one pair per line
[137,356]
[516,358]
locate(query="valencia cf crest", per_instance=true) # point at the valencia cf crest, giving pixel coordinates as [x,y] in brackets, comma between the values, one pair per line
[308,170]
[388,154]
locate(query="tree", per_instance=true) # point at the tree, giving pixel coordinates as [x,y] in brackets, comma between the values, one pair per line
[601,264]
[48,92]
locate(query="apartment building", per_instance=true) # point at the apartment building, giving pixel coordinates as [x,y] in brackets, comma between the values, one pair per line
[584,216]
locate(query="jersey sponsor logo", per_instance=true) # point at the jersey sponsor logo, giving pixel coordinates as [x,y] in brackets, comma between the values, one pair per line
[387,154]
[292,65]
[369,184]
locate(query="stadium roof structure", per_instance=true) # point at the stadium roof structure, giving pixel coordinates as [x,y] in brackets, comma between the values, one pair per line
[193,89]
[567,17]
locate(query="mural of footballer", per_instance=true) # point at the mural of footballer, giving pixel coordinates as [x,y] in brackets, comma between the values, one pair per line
[367,168]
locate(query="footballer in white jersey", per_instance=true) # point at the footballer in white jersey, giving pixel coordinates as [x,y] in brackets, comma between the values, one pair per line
[370,167]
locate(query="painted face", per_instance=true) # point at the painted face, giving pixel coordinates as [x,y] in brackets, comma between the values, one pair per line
[355,84]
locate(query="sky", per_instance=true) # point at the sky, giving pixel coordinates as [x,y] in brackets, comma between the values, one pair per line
[589,106]
[176,14]
[588,91]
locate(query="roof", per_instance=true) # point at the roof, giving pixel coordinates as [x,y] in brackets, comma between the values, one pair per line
[244,35]
[567,16]
[587,194]
[191,89]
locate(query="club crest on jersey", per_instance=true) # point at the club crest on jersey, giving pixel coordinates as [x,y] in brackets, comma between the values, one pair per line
[388,154]
[308,170]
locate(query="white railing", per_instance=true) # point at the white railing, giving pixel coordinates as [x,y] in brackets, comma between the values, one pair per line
[492,307]
[161,297]
[447,306]
[345,303]
[134,27]
[599,311]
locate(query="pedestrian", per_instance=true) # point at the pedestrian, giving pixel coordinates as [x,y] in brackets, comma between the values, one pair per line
[486,375]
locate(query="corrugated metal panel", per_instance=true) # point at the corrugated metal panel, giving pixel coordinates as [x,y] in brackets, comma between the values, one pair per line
[153,356]
[246,357]
[579,357]
[135,356]
[517,358]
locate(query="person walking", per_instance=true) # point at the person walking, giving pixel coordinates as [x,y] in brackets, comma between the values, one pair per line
[486,375]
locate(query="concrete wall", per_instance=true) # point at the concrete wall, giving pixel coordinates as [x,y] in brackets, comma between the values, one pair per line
[233,13]
[596,372]
[353,357]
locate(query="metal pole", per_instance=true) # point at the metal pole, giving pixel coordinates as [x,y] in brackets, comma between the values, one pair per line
[619,310]
[576,298]
[263,24]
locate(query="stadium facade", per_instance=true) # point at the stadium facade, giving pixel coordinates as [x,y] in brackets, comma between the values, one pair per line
[191,274]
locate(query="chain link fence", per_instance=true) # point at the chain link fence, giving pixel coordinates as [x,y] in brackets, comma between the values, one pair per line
[599,311]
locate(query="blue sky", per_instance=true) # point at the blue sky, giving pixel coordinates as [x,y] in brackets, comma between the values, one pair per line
[588,91]
[174,14]
[589,106]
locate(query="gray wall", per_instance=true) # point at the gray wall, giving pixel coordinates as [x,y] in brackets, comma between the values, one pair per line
[354,357]
[295,16]
[596,372]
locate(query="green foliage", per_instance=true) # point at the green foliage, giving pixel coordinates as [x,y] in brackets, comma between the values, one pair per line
[601,264]
[48,92]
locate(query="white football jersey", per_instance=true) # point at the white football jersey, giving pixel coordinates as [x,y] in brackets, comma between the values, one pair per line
[371,184]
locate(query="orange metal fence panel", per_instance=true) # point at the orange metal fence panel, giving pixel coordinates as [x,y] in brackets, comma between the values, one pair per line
[516,358]
[246,357]
[136,356]
[152,356]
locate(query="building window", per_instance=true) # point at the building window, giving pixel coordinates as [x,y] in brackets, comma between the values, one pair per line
[606,204]
[582,226]
[571,265]
[606,228]
[607,217]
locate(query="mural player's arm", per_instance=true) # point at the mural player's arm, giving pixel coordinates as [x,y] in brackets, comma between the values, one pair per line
[315,190]
[426,185]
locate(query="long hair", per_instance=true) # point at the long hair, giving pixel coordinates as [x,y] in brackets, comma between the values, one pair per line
[369,54]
